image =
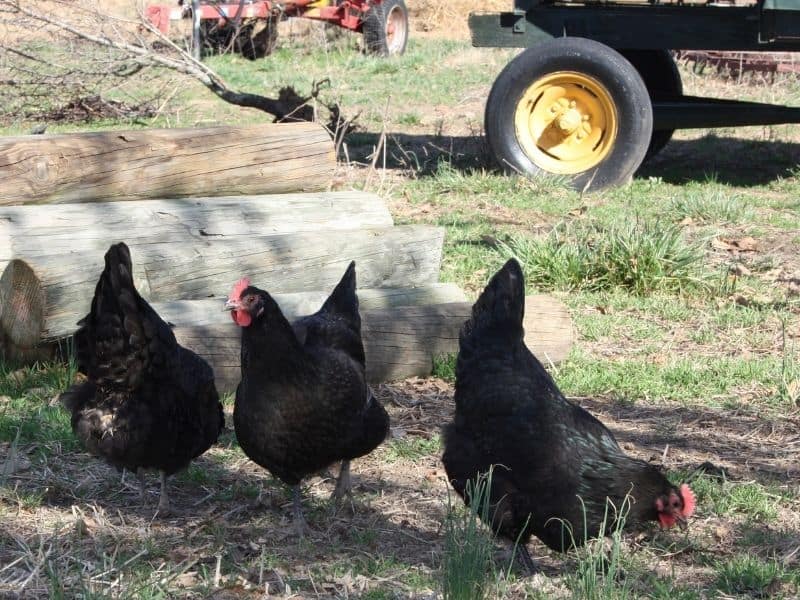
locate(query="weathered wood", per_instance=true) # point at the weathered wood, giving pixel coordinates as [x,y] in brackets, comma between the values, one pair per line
[165,163]
[209,311]
[399,342]
[34,231]
[56,289]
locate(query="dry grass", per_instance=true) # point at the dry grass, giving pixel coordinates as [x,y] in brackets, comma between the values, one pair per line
[449,19]
[71,528]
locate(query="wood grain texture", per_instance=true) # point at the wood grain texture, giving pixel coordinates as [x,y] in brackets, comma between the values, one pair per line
[28,232]
[165,163]
[59,288]
[399,342]
[209,311]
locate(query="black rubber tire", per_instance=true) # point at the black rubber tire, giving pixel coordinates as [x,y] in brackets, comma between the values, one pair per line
[374,28]
[607,66]
[663,80]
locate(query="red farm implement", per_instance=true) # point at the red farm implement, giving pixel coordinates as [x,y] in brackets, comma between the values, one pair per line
[250,26]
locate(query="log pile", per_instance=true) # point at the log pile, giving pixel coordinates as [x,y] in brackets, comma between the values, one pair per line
[188,251]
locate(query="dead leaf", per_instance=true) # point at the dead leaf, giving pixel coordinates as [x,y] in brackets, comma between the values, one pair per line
[793,390]
[17,376]
[745,244]
[188,579]
[722,532]
[739,270]
[720,244]
[686,221]
[578,212]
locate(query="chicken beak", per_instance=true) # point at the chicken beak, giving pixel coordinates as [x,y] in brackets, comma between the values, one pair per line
[682,524]
[231,304]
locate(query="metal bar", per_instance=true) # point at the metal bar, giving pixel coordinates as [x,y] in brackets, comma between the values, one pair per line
[631,27]
[692,112]
[196,41]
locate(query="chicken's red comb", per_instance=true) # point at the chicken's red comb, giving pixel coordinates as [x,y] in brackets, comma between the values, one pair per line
[240,286]
[689,501]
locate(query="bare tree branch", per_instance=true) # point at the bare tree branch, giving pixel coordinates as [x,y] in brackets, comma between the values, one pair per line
[133,53]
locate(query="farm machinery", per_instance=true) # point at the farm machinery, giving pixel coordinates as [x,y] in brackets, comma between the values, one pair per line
[596,91]
[249,27]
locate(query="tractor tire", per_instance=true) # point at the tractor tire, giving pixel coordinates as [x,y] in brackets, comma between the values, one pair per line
[385,28]
[663,80]
[571,107]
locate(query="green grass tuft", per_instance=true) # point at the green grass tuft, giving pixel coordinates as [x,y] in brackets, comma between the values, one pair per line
[748,575]
[467,569]
[444,367]
[412,447]
[641,257]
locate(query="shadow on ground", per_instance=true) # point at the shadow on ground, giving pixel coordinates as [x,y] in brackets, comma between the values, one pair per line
[731,161]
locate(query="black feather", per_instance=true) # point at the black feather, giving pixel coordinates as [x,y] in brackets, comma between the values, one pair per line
[147,401]
[303,402]
[555,463]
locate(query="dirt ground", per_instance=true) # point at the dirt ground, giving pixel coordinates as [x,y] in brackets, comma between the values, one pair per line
[241,538]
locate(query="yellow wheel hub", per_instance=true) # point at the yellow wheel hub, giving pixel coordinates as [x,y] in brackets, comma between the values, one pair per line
[566,122]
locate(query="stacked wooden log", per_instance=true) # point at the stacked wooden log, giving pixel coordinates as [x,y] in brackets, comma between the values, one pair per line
[188,252]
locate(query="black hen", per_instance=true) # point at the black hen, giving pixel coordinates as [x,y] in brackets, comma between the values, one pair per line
[303,402]
[555,464]
[147,403]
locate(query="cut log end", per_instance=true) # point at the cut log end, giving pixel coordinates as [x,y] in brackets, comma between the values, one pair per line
[21,310]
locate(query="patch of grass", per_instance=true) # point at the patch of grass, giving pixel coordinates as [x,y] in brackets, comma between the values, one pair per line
[665,588]
[410,118]
[412,448]
[26,408]
[444,366]
[748,575]
[723,497]
[467,569]
[686,379]
[598,575]
[710,204]
[638,256]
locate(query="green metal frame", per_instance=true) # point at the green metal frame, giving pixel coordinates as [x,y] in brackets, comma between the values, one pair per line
[645,27]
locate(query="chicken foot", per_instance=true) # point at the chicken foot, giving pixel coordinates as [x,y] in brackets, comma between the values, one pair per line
[525,560]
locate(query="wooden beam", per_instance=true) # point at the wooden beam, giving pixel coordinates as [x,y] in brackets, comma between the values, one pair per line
[29,232]
[43,294]
[165,163]
[399,342]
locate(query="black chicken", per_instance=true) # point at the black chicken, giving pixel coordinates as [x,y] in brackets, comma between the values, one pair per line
[555,465]
[147,402]
[303,402]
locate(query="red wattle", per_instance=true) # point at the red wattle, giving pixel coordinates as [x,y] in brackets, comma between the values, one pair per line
[241,318]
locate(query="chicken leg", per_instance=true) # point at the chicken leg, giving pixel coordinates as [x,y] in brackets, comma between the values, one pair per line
[142,485]
[163,501]
[300,525]
[343,483]
[525,560]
